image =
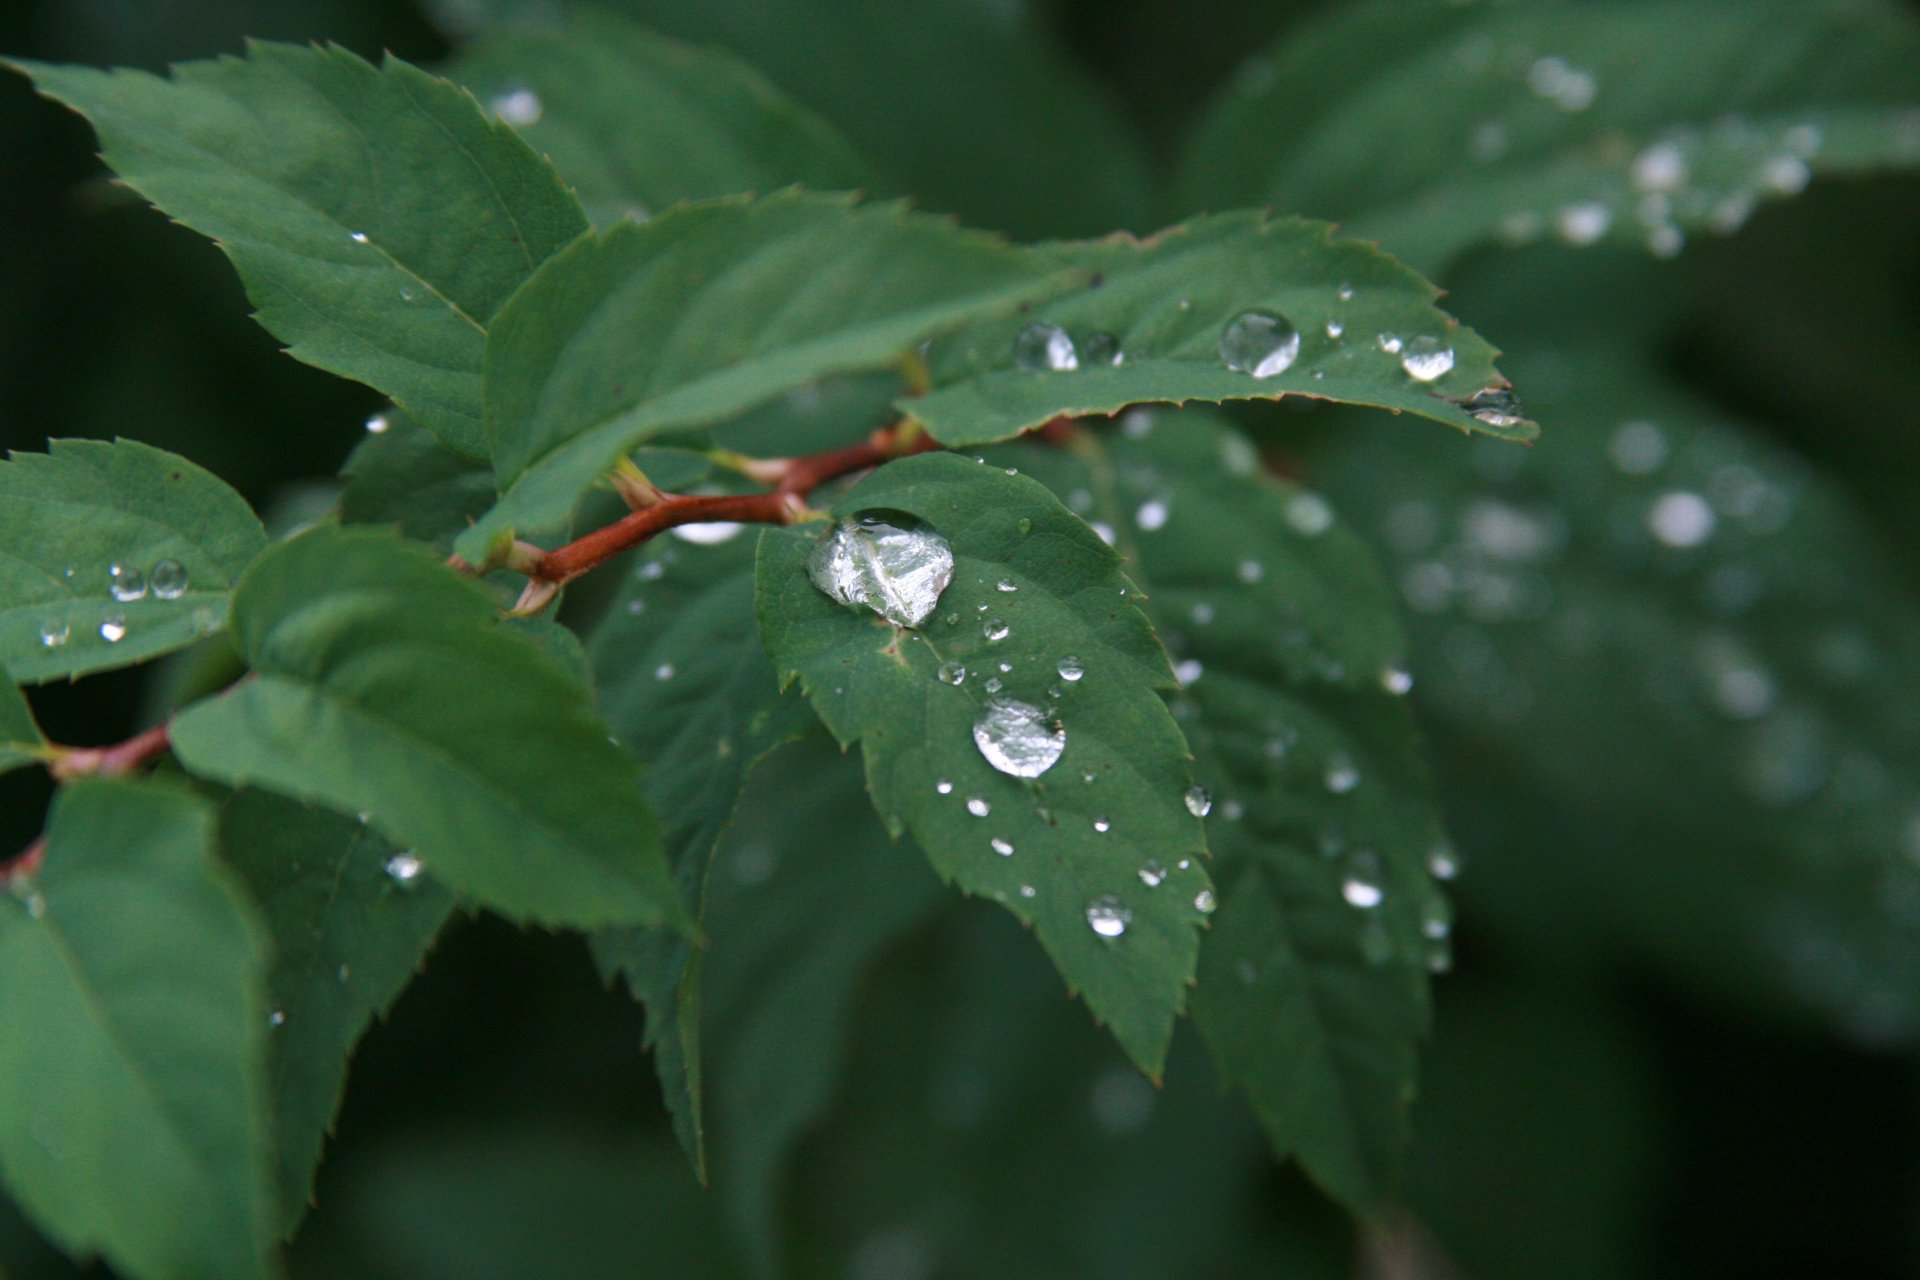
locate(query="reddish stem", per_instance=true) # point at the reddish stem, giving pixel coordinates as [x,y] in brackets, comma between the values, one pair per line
[112,761]
[25,863]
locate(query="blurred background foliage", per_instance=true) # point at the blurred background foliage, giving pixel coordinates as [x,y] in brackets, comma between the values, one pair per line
[1623,1082]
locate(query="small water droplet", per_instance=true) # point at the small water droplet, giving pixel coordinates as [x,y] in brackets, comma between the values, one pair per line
[1108,916]
[1396,680]
[1584,222]
[1105,532]
[378,425]
[278,1018]
[898,572]
[53,634]
[1151,515]
[1661,167]
[168,579]
[944,787]
[1187,670]
[1045,348]
[1345,292]
[1309,514]
[710,534]
[517,105]
[1102,825]
[113,628]
[1442,862]
[1681,519]
[1071,669]
[994,684]
[1788,175]
[951,672]
[663,672]
[358,237]
[404,869]
[1001,847]
[1391,343]
[1027,891]
[126,583]
[1199,802]
[978,807]
[1204,902]
[1018,738]
[1103,350]
[1426,359]
[1341,775]
[1251,571]
[995,629]
[1262,343]
[1152,873]
[1335,328]
[1361,887]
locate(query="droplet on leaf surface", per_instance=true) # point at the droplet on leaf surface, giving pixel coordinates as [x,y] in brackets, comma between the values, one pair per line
[896,570]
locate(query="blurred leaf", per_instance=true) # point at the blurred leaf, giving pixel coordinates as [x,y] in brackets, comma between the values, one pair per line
[1681,641]
[21,742]
[706,311]
[1435,127]
[402,476]
[1312,988]
[383,686]
[1161,317]
[133,1099]
[796,921]
[351,918]
[636,123]
[685,687]
[377,217]
[111,554]
[1045,626]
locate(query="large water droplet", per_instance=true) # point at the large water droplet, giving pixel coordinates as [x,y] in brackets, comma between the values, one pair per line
[1108,916]
[1018,738]
[1496,407]
[1426,358]
[1045,348]
[126,583]
[897,572]
[1262,343]
[168,579]
[1199,802]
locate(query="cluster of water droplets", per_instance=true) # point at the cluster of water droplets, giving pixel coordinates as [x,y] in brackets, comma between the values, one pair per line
[126,583]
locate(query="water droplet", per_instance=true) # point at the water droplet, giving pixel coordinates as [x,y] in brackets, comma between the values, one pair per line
[1397,680]
[1309,514]
[168,579]
[1661,167]
[278,1018]
[1335,328]
[1436,915]
[1001,847]
[1666,242]
[1361,889]
[1105,532]
[1151,516]
[1006,584]
[995,629]
[1251,571]
[1583,223]
[978,807]
[951,672]
[1496,407]
[358,237]
[1102,825]
[1045,348]
[1391,343]
[126,583]
[113,628]
[1104,350]
[1566,87]
[663,672]
[404,869]
[1201,613]
[1018,738]
[1204,902]
[1344,292]
[897,572]
[1199,802]
[1187,670]
[1788,175]
[944,787]
[518,105]
[710,534]
[378,425]
[1027,891]
[1261,343]
[1426,359]
[1442,862]
[1341,776]
[1108,916]
[53,634]
[1681,519]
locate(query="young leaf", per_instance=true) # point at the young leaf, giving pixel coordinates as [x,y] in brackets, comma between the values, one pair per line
[351,917]
[111,554]
[1238,306]
[1668,594]
[378,218]
[796,922]
[1637,124]
[1039,658]
[133,1097]
[21,742]
[705,312]
[383,686]
[637,123]
[685,686]
[1313,992]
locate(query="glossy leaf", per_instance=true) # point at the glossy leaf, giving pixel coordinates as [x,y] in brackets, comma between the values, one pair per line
[111,554]
[384,686]
[706,311]
[1098,853]
[1634,124]
[21,742]
[378,218]
[636,123]
[351,919]
[133,1095]
[1163,316]
[1312,992]
[686,688]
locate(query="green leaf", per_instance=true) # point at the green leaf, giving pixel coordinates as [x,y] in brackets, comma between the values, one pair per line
[637,123]
[383,686]
[21,742]
[88,523]
[400,475]
[796,922]
[705,312]
[351,918]
[133,1096]
[688,691]
[1312,981]
[377,217]
[1635,124]
[1667,592]
[1028,570]
[1171,304]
